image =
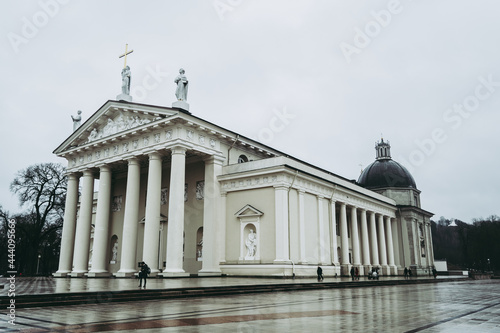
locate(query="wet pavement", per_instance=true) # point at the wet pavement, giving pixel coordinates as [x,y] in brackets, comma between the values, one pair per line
[449,306]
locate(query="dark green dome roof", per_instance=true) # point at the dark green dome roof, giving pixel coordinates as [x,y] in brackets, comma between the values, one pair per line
[386,173]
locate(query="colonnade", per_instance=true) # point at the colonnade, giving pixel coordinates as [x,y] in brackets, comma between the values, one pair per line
[75,243]
[371,239]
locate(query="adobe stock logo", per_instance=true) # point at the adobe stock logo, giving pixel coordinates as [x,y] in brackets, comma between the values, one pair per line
[373,28]
[31,26]
[277,124]
[454,116]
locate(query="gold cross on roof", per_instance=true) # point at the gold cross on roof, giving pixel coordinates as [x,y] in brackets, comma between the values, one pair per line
[125,55]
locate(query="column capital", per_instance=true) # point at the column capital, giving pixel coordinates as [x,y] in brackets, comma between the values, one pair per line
[216,159]
[178,150]
[104,167]
[132,160]
[73,175]
[154,156]
[88,172]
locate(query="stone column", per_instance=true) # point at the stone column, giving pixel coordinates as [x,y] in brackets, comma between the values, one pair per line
[356,257]
[344,241]
[333,233]
[390,246]
[302,228]
[430,248]
[222,229]
[69,225]
[365,244]
[128,265]
[82,241]
[395,242]
[152,224]
[281,224]
[100,246]
[382,247]
[211,212]
[322,235]
[175,237]
[373,240]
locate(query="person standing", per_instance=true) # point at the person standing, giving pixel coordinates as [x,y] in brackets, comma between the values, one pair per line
[143,274]
[352,273]
[405,273]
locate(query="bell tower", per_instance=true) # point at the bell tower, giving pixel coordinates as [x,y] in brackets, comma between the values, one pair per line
[383,150]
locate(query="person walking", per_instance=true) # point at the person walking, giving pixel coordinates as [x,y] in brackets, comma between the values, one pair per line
[319,271]
[143,274]
[406,273]
[356,273]
[352,273]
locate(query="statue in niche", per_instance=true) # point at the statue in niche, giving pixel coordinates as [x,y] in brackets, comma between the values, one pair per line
[200,190]
[199,252]
[126,77]
[77,120]
[164,196]
[182,86]
[114,252]
[251,244]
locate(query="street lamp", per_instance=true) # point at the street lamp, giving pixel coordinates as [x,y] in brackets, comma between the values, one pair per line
[38,263]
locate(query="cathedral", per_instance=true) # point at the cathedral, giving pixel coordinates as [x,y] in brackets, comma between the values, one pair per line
[160,185]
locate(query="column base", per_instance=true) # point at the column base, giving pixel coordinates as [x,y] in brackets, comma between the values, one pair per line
[366,269]
[361,269]
[385,270]
[98,274]
[209,273]
[125,274]
[173,274]
[78,274]
[345,270]
[281,262]
[61,274]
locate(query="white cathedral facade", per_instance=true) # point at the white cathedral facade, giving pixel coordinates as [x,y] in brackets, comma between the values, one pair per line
[189,197]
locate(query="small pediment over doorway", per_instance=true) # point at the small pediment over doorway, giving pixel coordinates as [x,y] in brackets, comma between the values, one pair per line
[248,211]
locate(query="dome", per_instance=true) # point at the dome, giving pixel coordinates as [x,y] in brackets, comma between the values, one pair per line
[386,173]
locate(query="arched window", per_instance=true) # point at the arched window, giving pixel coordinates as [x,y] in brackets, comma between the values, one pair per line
[242,159]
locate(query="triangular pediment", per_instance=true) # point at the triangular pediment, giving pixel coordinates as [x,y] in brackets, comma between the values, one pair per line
[248,211]
[113,119]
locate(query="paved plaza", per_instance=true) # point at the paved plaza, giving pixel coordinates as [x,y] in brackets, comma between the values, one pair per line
[449,306]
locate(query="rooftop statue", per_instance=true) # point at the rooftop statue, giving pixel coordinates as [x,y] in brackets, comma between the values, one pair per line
[77,120]
[182,86]
[126,77]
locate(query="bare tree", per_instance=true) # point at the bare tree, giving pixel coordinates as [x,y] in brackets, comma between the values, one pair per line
[41,189]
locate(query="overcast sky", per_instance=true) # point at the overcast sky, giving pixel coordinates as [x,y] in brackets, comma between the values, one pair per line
[338,75]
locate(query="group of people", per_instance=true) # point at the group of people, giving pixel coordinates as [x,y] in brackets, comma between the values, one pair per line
[354,273]
[407,273]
